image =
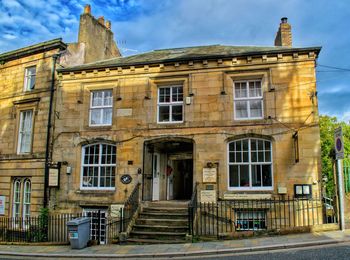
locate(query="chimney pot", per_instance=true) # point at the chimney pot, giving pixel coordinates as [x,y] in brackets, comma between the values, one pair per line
[109,25]
[87,9]
[101,20]
[284,20]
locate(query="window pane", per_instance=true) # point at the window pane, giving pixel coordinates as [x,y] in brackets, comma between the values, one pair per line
[96,116]
[256,175]
[177,113]
[244,175]
[30,78]
[232,157]
[107,116]
[241,109]
[238,146]
[164,113]
[266,175]
[164,95]
[231,146]
[245,145]
[97,98]
[177,95]
[25,131]
[241,90]
[255,108]
[234,180]
[108,98]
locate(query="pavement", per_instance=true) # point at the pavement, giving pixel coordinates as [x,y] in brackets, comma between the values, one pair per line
[179,250]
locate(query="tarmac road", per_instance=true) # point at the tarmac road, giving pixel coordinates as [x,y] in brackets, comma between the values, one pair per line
[327,252]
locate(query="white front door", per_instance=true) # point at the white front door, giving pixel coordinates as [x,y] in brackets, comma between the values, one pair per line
[155,173]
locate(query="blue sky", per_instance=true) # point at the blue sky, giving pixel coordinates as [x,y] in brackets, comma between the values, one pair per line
[141,26]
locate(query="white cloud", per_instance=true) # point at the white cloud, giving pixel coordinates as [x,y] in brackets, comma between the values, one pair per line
[9,36]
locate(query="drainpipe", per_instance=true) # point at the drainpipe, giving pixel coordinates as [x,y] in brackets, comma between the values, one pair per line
[49,125]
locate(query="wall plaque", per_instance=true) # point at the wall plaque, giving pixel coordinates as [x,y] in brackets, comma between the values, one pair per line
[235,196]
[115,210]
[126,178]
[208,196]
[2,205]
[53,177]
[124,112]
[209,174]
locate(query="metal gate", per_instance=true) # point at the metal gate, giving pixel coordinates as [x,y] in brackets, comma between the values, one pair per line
[98,229]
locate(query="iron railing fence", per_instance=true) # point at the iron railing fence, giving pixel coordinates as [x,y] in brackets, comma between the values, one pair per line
[191,210]
[224,217]
[53,228]
[130,207]
[346,170]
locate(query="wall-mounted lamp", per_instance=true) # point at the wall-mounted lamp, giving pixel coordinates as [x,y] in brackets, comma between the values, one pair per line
[69,170]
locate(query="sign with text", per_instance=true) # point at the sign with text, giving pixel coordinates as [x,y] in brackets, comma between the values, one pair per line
[235,196]
[53,177]
[338,143]
[209,175]
[2,205]
[208,196]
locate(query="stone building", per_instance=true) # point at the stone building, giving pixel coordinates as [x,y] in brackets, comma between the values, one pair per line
[27,76]
[241,122]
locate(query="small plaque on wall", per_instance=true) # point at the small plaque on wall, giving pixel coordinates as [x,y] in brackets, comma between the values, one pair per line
[2,205]
[209,175]
[54,177]
[235,196]
[126,179]
[115,210]
[208,196]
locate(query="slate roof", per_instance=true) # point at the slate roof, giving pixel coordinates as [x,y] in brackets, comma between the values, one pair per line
[187,54]
[32,49]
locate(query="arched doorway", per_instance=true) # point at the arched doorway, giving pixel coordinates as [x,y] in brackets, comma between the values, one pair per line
[168,169]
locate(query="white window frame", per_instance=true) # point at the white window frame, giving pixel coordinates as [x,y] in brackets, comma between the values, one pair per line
[249,163]
[248,99]
[170,104]
[19,198]
[250,219]
[28,78]
[102,107]
[16,198]
[99,165]
[22,132]
[26,203]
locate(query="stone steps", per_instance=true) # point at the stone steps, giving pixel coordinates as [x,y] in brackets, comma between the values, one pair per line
[161,228]
[160,223]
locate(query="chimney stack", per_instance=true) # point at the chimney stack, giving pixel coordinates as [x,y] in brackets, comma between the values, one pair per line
[108,25]
[284,34]
[87,9]
[101,20]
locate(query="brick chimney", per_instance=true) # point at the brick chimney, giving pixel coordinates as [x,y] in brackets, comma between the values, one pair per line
[284,34]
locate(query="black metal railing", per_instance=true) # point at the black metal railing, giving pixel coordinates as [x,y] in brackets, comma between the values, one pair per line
[130,207]
[53,228]
[275,214]
[192,206]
